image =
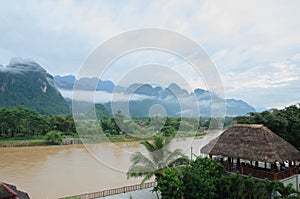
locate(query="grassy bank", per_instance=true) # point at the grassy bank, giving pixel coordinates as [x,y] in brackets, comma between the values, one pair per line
[19,142]
[22,142]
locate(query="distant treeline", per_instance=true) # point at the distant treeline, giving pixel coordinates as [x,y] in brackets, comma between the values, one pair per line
[285,122]
[164,125]
[21,122]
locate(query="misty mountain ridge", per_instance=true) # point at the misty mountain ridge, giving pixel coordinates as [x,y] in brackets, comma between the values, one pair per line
[168,97]
[25,82]
[88,84]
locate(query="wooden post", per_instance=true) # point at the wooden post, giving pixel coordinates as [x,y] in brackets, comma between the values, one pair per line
[265,165]
[229,164]
[273,167]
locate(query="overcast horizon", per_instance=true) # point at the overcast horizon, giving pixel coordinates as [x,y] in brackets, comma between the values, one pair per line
[255,45]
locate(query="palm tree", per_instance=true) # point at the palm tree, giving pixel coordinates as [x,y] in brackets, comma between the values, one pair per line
[159,158]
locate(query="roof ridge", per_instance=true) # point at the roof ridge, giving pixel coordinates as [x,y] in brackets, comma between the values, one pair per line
[249,125]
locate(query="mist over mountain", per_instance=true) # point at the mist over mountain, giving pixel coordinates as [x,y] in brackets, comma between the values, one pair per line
[138,98]
[26,83]
[67,83]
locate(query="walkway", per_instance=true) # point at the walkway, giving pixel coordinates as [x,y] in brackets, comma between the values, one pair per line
[137,191]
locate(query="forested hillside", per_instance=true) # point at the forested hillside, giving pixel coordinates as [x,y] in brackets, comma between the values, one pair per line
[26,83]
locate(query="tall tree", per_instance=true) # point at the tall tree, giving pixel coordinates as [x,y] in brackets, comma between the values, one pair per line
[159,157]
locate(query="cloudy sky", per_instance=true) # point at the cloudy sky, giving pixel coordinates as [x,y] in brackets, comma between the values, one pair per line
[255,45]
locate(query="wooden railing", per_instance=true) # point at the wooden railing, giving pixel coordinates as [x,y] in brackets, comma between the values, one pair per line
[262,173]
[286,173]
[115,191]
[257,173]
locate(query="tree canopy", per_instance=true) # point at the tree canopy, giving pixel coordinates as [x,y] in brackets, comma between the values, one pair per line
[21,122]
[206,178]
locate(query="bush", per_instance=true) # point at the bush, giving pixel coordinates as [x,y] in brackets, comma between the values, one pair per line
[170,185]
[53,137]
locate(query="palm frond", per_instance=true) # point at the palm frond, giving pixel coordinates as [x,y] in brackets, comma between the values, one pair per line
[172,156]
[159,142]
[149,146]
[147,177]
[160,157]
[140,171]
[169,139]
[139,158]
[182,161]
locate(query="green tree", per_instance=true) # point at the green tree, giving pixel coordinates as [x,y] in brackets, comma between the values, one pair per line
[205,178]
[53,137]
[170,184]
[168,131]
[159,157]
[201,178]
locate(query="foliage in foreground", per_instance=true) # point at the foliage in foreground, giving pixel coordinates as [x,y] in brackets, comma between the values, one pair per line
[170,185]
[205,178]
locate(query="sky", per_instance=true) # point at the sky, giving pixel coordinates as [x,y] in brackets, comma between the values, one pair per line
[254,45]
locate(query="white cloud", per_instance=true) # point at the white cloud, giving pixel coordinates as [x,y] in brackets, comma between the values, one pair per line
[275,85]
[254,44]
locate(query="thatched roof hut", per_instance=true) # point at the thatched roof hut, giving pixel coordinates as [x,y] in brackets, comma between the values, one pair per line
[251,142]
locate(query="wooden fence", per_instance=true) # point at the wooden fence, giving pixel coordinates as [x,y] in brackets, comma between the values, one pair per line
[112,191]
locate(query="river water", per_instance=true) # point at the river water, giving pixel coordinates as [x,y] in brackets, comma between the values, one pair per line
[57,171]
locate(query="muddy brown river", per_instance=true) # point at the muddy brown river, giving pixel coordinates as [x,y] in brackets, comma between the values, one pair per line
[57,171]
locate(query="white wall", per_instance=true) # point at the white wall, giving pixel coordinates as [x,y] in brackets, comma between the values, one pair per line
[294,180]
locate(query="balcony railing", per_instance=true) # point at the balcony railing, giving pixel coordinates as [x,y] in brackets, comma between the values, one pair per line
[262,173]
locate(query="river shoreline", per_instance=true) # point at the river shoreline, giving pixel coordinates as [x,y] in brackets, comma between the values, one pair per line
[70,141]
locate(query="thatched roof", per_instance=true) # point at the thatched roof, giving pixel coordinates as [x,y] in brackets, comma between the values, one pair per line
[251,142]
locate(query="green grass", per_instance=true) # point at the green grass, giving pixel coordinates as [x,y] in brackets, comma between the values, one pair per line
[14,142]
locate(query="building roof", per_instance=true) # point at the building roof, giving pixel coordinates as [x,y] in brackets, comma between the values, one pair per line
[251,142]
[8,191]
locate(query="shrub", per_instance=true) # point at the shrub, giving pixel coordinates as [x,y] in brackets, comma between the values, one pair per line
[53,137]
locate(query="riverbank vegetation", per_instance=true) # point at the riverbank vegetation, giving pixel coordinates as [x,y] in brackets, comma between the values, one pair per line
[21,126]
[24,126]
[23,123]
